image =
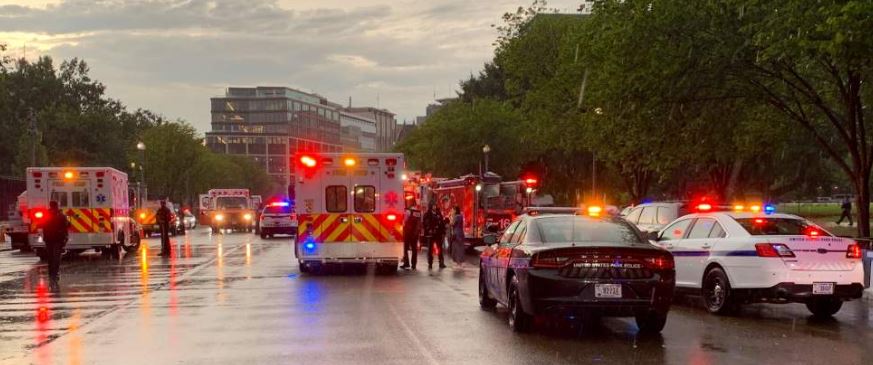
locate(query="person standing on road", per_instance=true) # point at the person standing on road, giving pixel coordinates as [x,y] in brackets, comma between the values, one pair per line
[163,217]
[847,211]
[457,237]
[55,234]
[411,231]
[180,220]
[434,232]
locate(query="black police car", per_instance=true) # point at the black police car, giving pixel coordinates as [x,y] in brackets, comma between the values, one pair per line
[576,265]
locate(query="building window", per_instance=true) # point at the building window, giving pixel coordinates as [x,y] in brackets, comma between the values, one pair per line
[257,149]
[276,149]
[236,148]
[277,165]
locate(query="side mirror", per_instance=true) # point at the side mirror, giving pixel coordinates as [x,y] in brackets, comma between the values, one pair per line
[652,236]
[489,239]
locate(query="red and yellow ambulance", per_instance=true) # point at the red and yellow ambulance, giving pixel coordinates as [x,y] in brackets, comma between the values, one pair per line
[95,201]
[349,208]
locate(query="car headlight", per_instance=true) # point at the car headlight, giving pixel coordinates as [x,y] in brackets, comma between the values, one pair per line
[219,217]
[247,217]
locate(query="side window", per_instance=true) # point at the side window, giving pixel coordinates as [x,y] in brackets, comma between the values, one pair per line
[647,216]
[634,215]
[79,199]
[717,231]
[365,199]
[507,234]
[336,198]
[665,215]
[701,228]
[676,230]
[61,198]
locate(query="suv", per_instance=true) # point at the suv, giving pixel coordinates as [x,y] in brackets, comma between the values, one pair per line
[277,218]
[652,217]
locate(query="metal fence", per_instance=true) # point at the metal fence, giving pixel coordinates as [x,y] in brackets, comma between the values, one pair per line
[10,189]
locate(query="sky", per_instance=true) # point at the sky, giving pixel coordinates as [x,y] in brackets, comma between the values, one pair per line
[171,56]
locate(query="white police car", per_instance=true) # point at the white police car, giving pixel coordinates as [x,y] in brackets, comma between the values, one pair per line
[733,258]
[278,218]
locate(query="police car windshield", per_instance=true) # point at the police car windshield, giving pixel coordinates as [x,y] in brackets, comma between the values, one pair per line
[277,209]
[575,229]
[232,202]
[777,227]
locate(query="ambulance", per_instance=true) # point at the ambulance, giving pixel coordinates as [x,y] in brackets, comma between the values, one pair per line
[349,209]
[147,217]
[95,201]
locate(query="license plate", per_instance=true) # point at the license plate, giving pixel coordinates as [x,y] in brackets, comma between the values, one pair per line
[607,290]
[822,288]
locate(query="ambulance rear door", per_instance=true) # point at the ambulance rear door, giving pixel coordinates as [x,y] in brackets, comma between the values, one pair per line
[366,206]
[74,199]
[333,222]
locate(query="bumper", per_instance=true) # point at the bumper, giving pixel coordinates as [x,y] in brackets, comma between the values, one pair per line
[79,241]
[791,292]
[551,293]
[290,230]
[350,252]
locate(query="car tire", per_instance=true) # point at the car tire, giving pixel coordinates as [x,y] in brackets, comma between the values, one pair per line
[303,267]
[651,322]
[717,295]
[485,300]
[135,241]
[824,307]
[519,320]
[263,236]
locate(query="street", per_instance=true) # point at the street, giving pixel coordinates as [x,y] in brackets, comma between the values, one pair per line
[235,298]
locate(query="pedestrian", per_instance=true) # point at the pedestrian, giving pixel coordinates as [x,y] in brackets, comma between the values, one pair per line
[180,220]
[411,231]
[163,217]
[846,211]
[457,237]
[55,234]
[434,232]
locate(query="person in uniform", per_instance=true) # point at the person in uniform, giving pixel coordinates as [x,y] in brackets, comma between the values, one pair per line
[55,234]
[163,217]
[411,231]
[434,232]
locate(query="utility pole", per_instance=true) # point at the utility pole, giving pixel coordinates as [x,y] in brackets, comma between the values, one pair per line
[31,129]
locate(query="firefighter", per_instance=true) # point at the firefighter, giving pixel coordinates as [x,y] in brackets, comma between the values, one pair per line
[163,218]
[434,231]
[411,231]
[55,234]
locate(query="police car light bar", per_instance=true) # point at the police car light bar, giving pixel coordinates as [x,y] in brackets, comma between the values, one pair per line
[279,204]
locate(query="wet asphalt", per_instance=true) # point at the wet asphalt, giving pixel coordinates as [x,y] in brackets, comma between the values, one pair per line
[238,299]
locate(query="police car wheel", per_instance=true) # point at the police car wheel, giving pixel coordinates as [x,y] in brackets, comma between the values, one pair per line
[485,300]
[717,295]
[519,320]
[824,307]
[303,267]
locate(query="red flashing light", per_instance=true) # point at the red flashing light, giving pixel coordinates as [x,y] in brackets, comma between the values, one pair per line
[38,214]
[391,217]
[37,174]
[812,232]
[760,221]
[308,161]
[531,181]
[853,252]
[704,207]
[279,204]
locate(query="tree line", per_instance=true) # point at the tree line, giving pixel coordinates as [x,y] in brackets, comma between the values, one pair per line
[735,99]
[59,116]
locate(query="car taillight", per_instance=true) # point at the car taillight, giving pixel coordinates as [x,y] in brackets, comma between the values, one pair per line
[548,262]
[854,251]
[660,263]
[773,250]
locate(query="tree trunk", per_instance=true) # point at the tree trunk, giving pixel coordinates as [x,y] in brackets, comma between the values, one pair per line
[862,201]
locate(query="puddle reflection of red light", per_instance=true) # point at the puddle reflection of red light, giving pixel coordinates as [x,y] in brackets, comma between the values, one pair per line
[43,321]
[173,300]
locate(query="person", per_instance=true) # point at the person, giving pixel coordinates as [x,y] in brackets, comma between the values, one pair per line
[457,236]
[181,221]
[163,218]
[55,235]
[434,232]
[411,231]
[847,211]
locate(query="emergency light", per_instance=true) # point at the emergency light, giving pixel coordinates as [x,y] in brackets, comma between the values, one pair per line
[279,204]
[308,161]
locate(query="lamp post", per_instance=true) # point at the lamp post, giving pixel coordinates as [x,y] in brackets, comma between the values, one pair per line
[145,190]
[485,150]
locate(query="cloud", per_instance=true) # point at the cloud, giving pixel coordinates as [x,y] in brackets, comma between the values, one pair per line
[172,55]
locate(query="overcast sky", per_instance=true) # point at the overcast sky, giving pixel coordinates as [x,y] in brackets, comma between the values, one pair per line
[170,56]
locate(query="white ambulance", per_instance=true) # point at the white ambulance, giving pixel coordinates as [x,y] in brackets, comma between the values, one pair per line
[349,209]
[95,200]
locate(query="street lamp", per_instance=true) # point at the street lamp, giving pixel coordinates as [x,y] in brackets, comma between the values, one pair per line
[485,150]
[145,190]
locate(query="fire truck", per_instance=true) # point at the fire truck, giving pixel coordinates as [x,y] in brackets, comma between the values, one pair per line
[228,209]
[484,201]
[349,209]
[95,200]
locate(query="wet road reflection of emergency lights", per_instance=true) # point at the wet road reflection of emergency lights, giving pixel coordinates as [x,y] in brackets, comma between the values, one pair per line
[43,321]
[145,304]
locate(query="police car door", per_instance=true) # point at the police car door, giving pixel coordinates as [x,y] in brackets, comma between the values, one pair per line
[696,249]
[671,239]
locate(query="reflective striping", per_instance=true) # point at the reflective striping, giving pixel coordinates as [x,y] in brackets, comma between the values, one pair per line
[341,227]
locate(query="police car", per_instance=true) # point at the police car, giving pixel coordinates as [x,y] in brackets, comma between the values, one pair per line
[277,218]
[736,257]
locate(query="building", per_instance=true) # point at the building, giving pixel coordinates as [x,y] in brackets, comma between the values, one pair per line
[386,125]
[433,108]
[271,124]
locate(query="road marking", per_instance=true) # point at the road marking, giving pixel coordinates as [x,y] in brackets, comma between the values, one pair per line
[422,349]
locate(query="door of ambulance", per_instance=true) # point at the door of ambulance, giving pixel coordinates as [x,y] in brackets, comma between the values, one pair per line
[333,223]
[366,202]
[74,199]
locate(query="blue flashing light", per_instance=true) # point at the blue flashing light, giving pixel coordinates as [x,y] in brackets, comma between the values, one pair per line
[646,201]
[309,245]
[280,204]
[769,209]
